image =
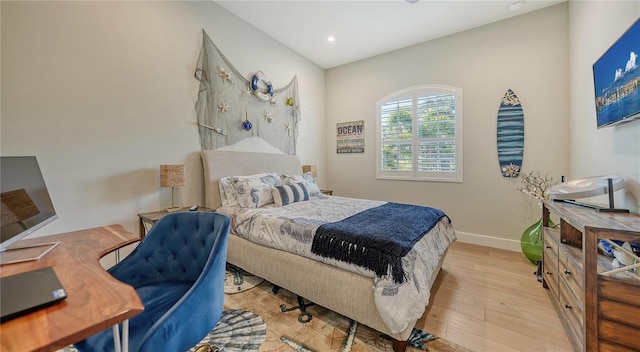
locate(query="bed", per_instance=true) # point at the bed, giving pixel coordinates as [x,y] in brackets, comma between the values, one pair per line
[390,304]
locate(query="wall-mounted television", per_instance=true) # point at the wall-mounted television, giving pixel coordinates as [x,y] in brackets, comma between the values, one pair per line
[616,78]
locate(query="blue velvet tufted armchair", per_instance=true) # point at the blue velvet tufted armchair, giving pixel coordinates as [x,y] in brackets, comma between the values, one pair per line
[178,272]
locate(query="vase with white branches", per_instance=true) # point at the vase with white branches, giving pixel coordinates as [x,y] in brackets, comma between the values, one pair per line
[536,186]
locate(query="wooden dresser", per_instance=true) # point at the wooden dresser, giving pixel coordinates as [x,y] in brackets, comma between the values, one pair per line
[600,312]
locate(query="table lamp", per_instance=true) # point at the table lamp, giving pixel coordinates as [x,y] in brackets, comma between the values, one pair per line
[313,169]
[172,176]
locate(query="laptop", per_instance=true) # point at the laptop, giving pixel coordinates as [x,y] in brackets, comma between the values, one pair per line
[29,291]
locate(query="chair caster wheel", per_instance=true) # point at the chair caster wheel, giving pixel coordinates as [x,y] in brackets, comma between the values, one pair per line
[304,317]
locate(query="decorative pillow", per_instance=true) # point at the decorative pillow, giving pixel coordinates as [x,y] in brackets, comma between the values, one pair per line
[306,179]
[227,186]
[287,194]
[253,193]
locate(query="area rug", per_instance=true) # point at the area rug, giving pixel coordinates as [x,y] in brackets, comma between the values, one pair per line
[237,280]
[417,340]
[237,331]
[326,332]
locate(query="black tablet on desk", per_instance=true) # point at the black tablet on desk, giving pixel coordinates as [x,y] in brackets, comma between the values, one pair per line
[29,291]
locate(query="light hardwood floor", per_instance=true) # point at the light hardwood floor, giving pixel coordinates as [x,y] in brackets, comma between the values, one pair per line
[488,299]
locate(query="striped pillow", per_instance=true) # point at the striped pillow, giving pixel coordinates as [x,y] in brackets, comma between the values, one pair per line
[296,192]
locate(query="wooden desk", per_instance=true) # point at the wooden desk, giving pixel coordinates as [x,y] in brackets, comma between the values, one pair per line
[95,300]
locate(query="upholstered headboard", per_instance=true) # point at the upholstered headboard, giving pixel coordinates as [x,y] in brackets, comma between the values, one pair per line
[217,164]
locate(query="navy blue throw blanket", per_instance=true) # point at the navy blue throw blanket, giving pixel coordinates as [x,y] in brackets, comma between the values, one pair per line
[377,238]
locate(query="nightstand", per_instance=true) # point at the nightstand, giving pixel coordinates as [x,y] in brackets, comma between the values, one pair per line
[152,217]
[328,192]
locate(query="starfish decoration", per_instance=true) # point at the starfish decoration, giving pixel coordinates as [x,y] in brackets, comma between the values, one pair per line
[510,99]
[273,102]
[224,75]
[288,127]
[223,107]
[267,116]
[247,92]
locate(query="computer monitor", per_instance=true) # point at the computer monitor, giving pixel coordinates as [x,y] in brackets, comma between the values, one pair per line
[26,204]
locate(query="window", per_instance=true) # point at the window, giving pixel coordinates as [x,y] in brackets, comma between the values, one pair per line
[420,134]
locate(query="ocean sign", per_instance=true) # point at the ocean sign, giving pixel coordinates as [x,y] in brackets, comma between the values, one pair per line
[350,137]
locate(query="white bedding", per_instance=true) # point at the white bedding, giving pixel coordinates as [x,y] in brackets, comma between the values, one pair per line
[291,228]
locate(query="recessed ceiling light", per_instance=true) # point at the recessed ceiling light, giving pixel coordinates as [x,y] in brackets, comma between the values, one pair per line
[412,1]
[331,38]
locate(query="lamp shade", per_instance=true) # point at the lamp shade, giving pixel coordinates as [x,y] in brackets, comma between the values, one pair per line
[172,175]
[313,169]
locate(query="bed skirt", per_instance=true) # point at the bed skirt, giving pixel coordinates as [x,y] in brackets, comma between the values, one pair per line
[341,291]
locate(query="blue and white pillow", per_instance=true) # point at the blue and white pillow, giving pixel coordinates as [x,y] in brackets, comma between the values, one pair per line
[287,194]
[253,193]
[306,179]
[228,187]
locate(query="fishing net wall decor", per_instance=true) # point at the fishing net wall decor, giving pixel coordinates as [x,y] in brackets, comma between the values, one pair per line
[231,108]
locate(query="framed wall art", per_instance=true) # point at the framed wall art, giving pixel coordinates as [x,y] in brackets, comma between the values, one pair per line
[350,137]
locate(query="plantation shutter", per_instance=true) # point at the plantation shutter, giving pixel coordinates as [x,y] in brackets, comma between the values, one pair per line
[396,131]
[436,139]
[420,134]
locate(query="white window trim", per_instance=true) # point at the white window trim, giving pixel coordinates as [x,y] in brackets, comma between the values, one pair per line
[416,175]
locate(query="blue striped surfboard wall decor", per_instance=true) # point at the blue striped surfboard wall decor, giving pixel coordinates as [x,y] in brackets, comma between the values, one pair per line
[510,135]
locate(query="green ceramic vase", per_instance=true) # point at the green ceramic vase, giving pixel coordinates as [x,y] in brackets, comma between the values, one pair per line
[531,241]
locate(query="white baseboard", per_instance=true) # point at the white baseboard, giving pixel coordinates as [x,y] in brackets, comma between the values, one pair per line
[488,241]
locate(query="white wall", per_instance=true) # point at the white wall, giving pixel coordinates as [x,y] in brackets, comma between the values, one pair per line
[103,93]
[528,54]
[595,26]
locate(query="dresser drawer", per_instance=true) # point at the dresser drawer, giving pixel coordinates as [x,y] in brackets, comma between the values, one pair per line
[550,272]
[571,274]
[551,238]
[572,309]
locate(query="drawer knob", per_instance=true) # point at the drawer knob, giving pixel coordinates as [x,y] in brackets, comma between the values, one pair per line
[567,272]
[548,247]
[568,306]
